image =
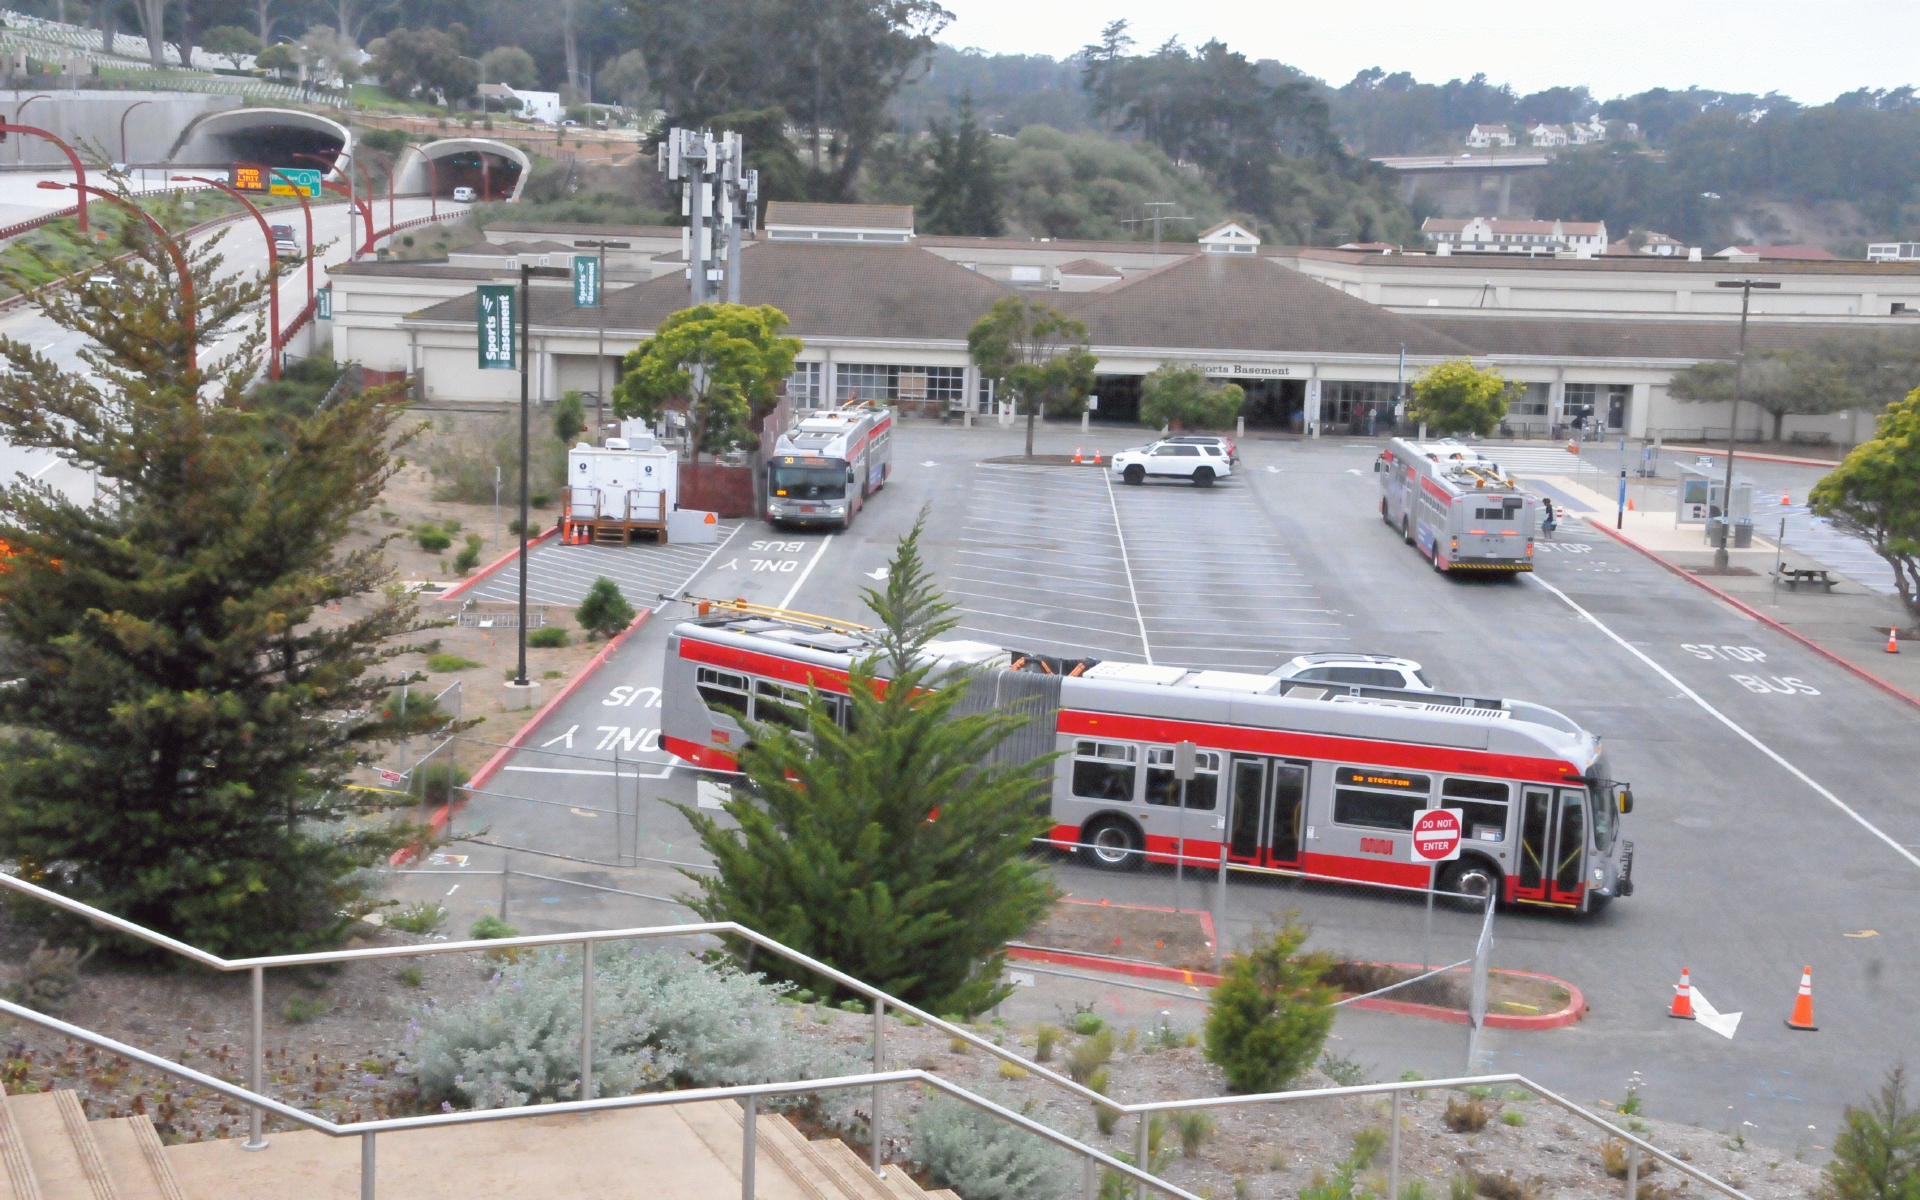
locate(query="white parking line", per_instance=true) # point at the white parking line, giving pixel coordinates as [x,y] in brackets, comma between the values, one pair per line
[793,591]
[1721,717]
[1146,647]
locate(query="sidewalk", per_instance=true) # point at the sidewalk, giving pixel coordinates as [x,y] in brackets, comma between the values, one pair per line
[1849,623]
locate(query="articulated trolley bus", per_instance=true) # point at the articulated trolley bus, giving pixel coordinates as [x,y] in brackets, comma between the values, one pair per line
[1457,506]
[1323,780]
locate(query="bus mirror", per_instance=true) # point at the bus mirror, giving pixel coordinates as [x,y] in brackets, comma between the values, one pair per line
[1378,466]
[1626,801]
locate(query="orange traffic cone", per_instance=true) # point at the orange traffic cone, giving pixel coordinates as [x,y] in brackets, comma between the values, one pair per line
[1785,499]
[1629,505]
[1893,641]
[1683,997]
[1802,1018]
[1573,447]
[1096,456]
[1076,454]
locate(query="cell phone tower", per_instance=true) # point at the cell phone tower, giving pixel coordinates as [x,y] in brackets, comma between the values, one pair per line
[719,197]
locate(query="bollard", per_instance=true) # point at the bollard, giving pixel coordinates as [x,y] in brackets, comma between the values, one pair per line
[1240,427]
[1140,1157]
[367,1175]
[1085,418]
[586,1020]
[255,1139]
[506,873]
[1633,1171]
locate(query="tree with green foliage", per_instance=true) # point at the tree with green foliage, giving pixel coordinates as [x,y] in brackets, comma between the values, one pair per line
[1176,396]
[1271,1014]
[569,417]
[1779,382]
[1457,397]
[1035,355]
[424,61]
[509,65]
[328,57]
[1877,1155]
[962,196]
[1875,496]
[230,40]
[182,725]
[604,611]
[721,364]
[279,58]
[893,848]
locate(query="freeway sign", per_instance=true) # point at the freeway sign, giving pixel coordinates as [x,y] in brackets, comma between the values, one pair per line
[288,181]
[1436,835]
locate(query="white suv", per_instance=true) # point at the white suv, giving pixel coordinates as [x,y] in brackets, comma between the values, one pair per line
[1355,670]
[1201,462]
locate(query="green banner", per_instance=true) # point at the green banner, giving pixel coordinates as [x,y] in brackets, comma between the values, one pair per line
[586,281]
[325,297]
[498,310]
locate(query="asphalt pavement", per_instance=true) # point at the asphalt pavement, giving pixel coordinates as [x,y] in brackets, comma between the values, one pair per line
[1775,824]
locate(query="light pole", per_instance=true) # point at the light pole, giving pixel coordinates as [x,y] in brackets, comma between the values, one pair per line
[123,128]
[306,210]
[79,168]
[20,149]
[600,352]
[1747,288]
[388,164]
[166,240]
[273,267]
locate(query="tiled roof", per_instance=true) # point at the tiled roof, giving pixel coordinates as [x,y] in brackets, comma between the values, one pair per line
[1610,338]
[831,290]
[1248,303]
[510,249]
[573,229]
[1799,253]
[400,268]
[798,215]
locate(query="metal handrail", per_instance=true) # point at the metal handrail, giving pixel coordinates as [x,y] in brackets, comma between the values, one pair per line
[747,1092]
[877,1079]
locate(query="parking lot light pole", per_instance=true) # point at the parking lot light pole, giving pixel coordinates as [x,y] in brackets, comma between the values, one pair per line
[1747,288]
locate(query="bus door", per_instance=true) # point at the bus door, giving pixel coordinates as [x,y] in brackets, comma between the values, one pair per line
[1553,845]
[1268,804]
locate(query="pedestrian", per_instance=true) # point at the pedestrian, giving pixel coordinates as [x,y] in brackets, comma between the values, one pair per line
[1548,523]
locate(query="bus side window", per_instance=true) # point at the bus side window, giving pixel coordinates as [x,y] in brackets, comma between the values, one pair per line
[1104,771]
[1203,790]
[1482,804]
[722,690]
[1378,798]
[779,704]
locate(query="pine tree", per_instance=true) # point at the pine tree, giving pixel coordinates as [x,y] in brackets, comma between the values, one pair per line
[185,715]
[891,849]
[963,184]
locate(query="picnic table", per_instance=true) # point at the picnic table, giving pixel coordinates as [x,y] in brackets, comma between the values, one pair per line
[1793,577]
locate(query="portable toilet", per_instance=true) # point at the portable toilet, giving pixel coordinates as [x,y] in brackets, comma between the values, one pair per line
[616,490]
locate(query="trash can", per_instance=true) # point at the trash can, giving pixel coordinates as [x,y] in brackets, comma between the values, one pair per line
[1742,534]
[1716,532]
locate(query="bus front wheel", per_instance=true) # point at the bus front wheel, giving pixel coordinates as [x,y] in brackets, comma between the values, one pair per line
[1406,529]
[1113,844]
[1471,878]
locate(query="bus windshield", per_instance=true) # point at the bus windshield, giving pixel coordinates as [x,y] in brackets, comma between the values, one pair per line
[809,483]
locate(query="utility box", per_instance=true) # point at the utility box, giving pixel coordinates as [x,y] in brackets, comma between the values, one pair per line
[617,490]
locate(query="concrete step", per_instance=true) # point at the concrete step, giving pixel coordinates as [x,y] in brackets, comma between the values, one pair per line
[67,1163]
[136,1160]
[849,1170]
[943,1194]
[720,1126]
[777,1135]
[17,1176]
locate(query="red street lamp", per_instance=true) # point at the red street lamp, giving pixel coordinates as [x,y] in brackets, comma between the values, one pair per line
[123,128]
[79,169]
[166,239]
[273,266]
[331,164]
[388,164]
[307,210]
[366,200]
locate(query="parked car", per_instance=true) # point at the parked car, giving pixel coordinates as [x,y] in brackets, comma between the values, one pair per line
[1207,439]
[1200,462]
[465,195]
[1355,670]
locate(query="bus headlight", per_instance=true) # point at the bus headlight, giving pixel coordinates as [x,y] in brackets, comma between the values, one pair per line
[1599,876]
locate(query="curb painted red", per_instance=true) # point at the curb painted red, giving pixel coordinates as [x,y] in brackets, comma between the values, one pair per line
[492,766]
[1575,1009]
[1761,617]
[495,565]
[1779,458]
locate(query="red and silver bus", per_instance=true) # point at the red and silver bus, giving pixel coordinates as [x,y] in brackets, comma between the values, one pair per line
[1456,505]
[824,468]
[1290,775]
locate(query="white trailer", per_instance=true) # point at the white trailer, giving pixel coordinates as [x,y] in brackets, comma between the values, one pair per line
[824,468]
[1456,505]
[619,490]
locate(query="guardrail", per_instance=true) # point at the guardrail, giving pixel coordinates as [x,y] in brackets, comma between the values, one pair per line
[878,1079]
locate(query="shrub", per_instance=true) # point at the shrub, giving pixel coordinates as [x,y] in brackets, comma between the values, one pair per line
[48,979]
[604,611]
[1012,1071]
[1613,1157]
[1368,1142]
[421,917]
[1460,1187]
[1877,1155]
[1196,1130]
[1343,1071]
[1087,1023]
[446,664]
[437,783]
[539,499]
[1043,1040]
[1270,1013]
[469,556]
[1469,1116]
[432,538]
[664,1019]
[1513,1117]
[1180,397]
[984,1158]
[569,417]
[1504,1187]
[1089,1055]
[1105,1117]
[1414,1189]
[464,460]
[301,1009]
[489,928]
[547,637]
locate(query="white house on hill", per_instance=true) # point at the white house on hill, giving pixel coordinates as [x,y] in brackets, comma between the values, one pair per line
[1482,137]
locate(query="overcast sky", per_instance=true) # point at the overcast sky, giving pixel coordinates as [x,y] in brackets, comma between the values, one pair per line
[1811,50]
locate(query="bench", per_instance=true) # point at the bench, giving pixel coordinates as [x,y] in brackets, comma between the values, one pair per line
[1793,577]
[1811,438]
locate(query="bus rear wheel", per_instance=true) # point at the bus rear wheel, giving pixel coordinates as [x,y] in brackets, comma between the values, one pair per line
[1112,844]
[1471,879]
